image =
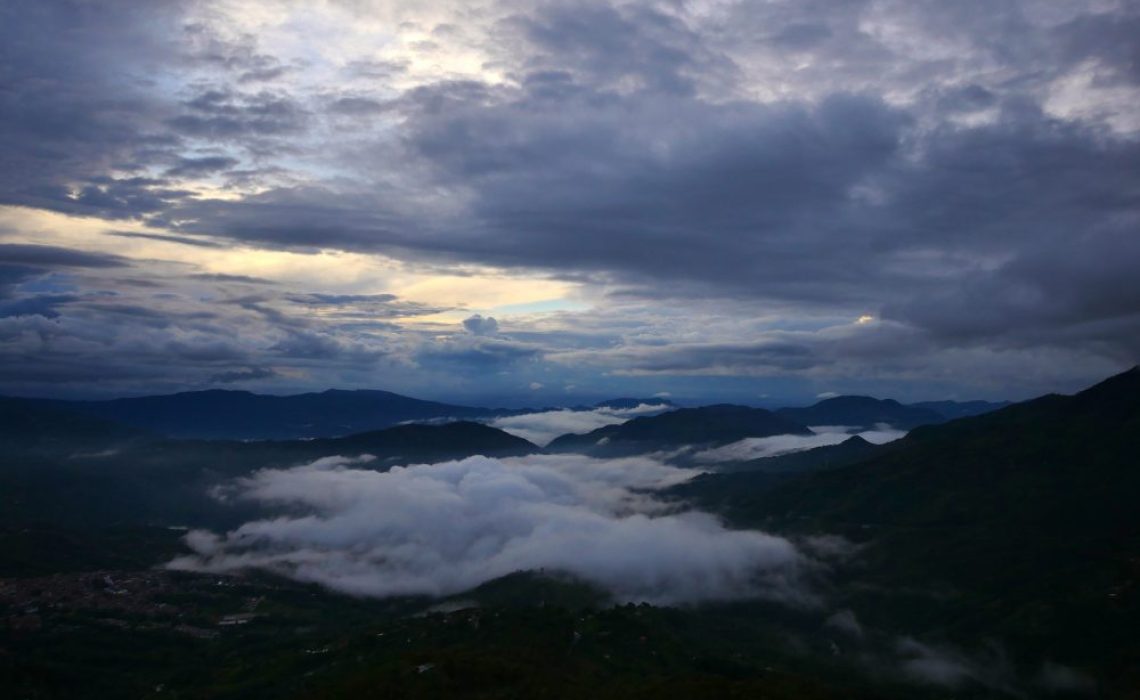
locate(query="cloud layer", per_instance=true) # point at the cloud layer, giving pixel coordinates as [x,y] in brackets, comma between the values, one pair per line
[446,528]
[860,196]
[757,448]
[543,426]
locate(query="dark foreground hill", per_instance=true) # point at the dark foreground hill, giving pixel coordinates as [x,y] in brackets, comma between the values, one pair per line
[708,425]
[1020,525]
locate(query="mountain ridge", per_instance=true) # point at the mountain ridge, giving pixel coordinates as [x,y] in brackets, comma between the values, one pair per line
[717,424]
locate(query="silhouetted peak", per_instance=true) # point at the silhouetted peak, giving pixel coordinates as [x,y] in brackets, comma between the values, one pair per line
[1118,390]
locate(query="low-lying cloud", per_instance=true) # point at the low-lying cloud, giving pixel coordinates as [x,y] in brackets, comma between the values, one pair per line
[757,448]
[543,426]
[952,668]
[446,528]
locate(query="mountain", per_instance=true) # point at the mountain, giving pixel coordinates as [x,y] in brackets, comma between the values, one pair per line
[960,409]
[168,482]
[242,415]
[709,425]
[853,449]
[402,444]
[1019,525]
[28,426]
[1088,440]
[721,490]
[862,412]
[627,403]
[219,414]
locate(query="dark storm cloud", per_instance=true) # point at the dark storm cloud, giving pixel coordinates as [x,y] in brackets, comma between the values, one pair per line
[467,353]
[221,115]
[756,185]
[90,111]
[1109,39]
[240,279]
[1055,209]
[75,103]
[36,305]
[961,171]
[239,56]
[24,264]
[481,325]
[166,238]
[201,166]
[609,46]
[44,256]
[12,275]
[305,344]
[108,197]
[363,306]
[767,356]
[243,375]
[357,106]
[707,192]
[141,342]
[339,299]
[304,218]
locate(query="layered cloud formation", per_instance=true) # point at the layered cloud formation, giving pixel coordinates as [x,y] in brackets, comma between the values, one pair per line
[717,199]
[446,528]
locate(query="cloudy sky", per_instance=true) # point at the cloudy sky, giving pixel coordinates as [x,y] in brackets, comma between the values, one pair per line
[553,201]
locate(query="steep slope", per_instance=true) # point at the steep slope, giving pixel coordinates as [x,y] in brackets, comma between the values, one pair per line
[1068,447]
[722,490]
[852,450]
[960,409]
[709,425]
[1019,525]
[863,412]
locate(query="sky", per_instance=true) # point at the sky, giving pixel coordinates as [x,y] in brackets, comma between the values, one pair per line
[543,203]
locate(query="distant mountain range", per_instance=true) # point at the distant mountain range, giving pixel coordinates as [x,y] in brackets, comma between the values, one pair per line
[863,412]
[32,425]
[961,409]
[709,425]
[725,423]
[866,412]
[242,415]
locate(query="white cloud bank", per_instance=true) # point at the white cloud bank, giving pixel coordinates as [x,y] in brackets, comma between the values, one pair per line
[542,427]
[756,448]
[446,528]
